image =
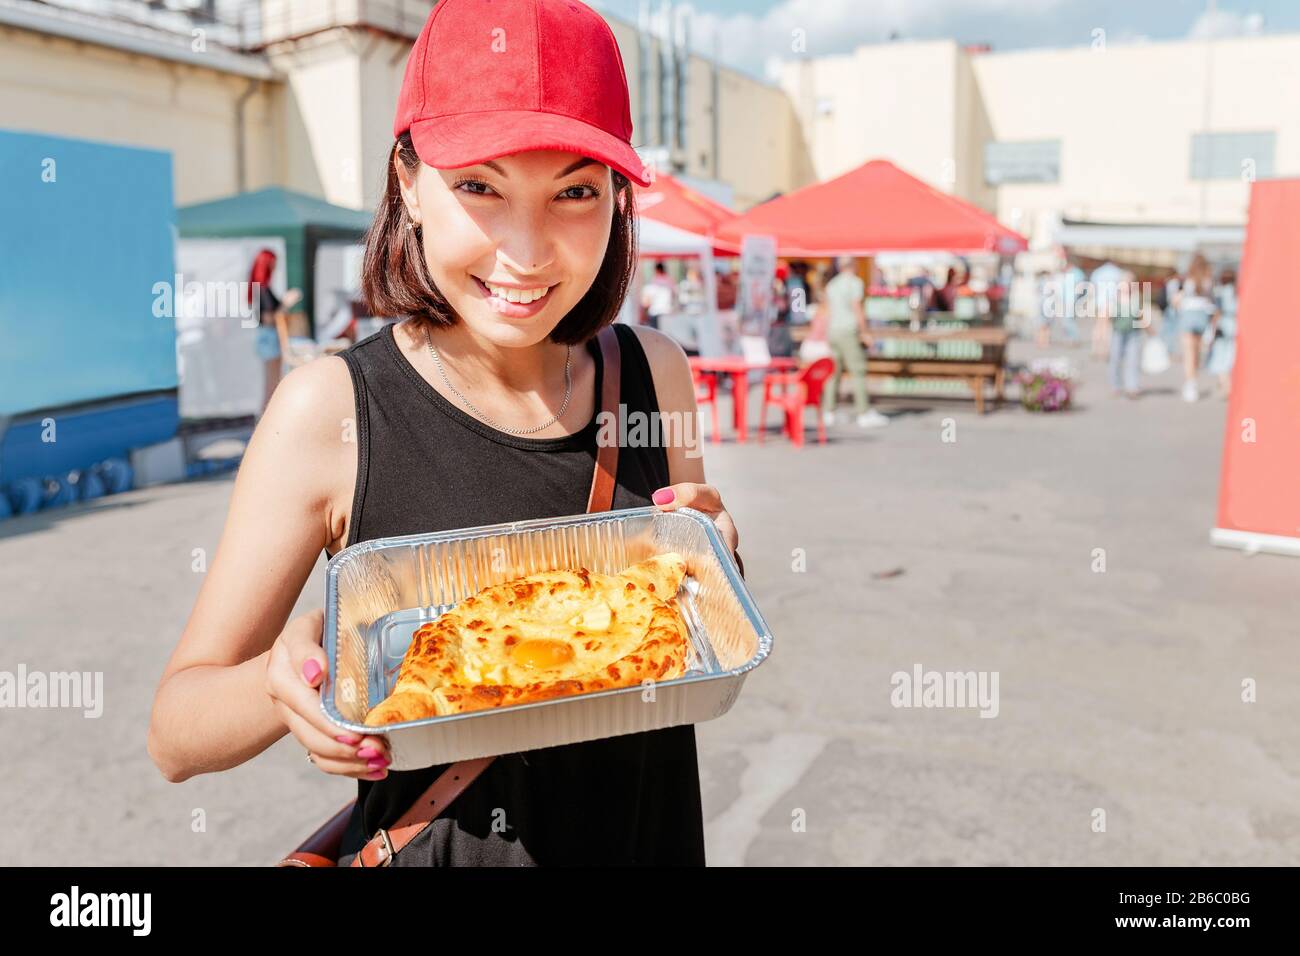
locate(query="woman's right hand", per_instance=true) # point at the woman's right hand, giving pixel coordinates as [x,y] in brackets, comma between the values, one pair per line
[295,669]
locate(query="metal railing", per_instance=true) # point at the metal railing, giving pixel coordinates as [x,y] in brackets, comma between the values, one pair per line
[252,24]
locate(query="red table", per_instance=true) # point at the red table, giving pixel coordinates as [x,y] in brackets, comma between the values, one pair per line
[739,368]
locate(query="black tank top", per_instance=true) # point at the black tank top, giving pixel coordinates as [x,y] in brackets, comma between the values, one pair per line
[426,465]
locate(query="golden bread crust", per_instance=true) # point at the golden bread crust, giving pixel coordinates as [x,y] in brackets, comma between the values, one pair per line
[547,635]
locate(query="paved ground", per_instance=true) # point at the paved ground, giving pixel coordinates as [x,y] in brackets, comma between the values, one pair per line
[1119,691]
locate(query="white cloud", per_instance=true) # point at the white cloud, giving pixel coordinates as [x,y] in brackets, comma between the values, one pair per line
[758,42]
[1221,24]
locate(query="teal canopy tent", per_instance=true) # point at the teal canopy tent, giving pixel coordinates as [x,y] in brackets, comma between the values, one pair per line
[302,221]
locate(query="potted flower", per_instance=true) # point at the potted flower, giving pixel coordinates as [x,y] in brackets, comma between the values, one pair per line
[1044,391]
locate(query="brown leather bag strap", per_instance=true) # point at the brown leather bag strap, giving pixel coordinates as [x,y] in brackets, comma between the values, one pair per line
[451,783]
[602,483]
[322,847]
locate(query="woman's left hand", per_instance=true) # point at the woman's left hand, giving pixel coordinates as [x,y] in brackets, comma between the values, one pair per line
[705,498]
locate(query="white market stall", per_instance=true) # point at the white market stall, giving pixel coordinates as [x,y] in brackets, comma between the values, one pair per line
[658,240]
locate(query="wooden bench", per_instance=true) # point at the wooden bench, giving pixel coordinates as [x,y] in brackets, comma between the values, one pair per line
[976,374]
[988,343]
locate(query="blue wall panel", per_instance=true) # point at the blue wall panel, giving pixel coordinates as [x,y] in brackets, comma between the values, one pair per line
[84,435]
[79,257]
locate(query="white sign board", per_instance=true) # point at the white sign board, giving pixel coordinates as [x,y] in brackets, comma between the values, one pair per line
[755,303]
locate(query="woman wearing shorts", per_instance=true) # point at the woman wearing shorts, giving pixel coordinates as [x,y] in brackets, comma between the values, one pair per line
[1196,312]
[505,237]
[273,323]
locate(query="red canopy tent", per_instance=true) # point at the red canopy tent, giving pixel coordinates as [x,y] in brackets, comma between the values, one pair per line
[874,208]
[670,201]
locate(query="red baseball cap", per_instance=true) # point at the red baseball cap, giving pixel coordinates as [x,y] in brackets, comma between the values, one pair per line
[491,77]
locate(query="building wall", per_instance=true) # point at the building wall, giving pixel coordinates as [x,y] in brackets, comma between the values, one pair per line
[892,101]
[758,150]
[971,130]
[756,131]
[66,87]
[323,125]
[383,61]
[1125,116]
[322,117]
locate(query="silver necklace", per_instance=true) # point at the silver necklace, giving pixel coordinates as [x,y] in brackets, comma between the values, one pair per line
[568,391]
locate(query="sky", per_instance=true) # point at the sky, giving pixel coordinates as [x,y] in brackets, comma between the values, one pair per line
[755,34]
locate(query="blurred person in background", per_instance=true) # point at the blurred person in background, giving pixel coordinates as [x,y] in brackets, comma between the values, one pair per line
[846,326]
[1122,311]
[659,297]
[945,298]
[796,289]
[1160,300]
[726,283]
[1196,312]
[779,340]
[1223,349]
[690,292]
[1045,293]
[921,291]
[1106,281]
[1060,299]
[1169,313]
[273,324]
[728,323]
[780,292]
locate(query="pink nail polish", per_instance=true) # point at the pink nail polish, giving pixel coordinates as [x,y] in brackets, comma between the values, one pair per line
[663,496]
[346,739]
[378,763]
[310,671]
[367,752]
[377,775]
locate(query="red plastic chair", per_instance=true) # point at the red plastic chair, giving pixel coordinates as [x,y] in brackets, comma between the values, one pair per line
[794,392]
[706,393]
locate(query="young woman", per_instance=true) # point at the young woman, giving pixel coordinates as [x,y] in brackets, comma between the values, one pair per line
[1196,314]
[505,252]
[273,322]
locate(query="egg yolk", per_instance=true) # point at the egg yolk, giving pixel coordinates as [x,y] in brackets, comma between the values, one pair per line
[542,654]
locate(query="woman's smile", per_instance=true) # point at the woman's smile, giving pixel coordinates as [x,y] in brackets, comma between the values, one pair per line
[512,302]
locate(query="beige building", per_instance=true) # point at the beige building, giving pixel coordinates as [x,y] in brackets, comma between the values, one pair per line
[1167,133]
[301,94]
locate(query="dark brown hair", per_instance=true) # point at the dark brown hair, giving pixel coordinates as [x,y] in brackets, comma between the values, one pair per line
[395,280]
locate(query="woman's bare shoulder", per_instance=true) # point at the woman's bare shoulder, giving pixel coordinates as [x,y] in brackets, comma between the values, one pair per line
[313,400]
[674,385]
[666,356]
[307,435]
[659,345]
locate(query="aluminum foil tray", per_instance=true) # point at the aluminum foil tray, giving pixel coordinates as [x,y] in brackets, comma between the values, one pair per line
[377,593]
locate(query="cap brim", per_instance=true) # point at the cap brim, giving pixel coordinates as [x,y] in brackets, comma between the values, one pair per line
[450,142]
